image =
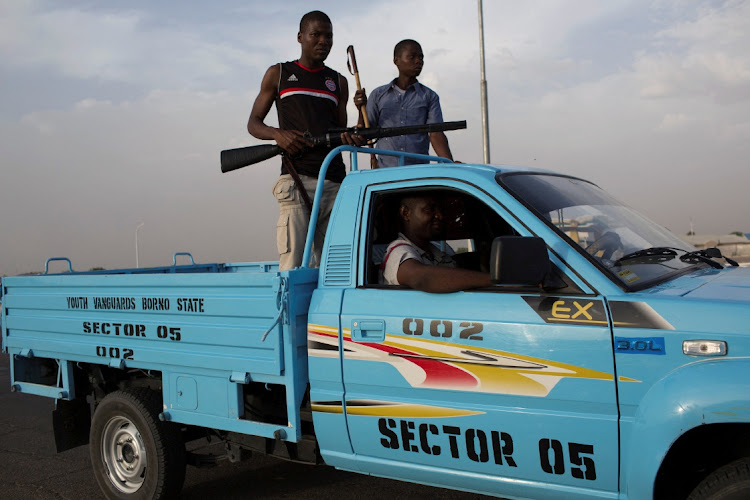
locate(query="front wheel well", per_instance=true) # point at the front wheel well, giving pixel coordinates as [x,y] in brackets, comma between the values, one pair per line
[698,453]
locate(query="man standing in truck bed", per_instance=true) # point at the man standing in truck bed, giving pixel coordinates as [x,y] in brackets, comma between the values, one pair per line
[309,97]
[404,101]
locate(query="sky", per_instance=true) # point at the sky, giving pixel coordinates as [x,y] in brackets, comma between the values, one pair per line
[113,114]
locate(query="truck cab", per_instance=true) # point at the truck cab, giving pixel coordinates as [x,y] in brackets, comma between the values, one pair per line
[587,386]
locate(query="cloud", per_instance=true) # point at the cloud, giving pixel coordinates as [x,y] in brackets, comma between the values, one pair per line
[84,178]
[127,46]
[674,121]
[653,105]
[705,55]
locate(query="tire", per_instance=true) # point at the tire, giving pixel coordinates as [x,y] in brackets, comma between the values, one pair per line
[730,482]
[135,455]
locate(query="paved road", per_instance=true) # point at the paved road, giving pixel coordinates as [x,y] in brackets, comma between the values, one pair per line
[31,469]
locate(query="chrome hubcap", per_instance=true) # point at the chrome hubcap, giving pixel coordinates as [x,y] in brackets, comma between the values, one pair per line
[124,454]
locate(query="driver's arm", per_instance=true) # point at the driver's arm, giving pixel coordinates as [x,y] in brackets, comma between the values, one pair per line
[436,279]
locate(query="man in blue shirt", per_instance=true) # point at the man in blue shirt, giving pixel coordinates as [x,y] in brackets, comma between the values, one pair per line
[404,101]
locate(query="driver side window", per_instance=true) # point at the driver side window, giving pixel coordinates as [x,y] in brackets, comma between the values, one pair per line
[469,226]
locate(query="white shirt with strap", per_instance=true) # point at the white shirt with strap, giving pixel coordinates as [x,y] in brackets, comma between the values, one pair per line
[402,249]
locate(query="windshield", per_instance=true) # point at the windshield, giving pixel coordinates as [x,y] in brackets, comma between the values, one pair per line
[604,228]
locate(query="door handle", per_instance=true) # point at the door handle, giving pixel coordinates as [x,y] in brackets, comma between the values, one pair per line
[368,330]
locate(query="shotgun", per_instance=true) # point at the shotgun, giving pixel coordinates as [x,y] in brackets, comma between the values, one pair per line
[232,159]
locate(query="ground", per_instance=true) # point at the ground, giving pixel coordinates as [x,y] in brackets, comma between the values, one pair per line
[31,469]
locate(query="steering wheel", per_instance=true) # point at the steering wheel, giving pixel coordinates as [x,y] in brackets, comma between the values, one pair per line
[607,243]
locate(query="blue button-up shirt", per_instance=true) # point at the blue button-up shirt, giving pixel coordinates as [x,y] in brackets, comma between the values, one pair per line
[388,107]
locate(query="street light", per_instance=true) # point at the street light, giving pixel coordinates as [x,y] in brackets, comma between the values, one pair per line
[136,242]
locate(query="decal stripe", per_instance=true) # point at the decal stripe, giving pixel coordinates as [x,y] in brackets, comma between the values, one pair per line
[637,315]
[368,408]
[567,310]
[312,93]
[438,373]
[583,311]
[438,364]
[321,346]
[575,322]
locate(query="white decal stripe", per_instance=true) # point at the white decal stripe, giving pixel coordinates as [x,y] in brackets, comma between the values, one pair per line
[310,93]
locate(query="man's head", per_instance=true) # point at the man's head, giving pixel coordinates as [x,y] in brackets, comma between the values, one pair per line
[408,58]
[421,218]
[315,36]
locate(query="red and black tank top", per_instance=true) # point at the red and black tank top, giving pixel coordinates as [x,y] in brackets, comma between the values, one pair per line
[308,101]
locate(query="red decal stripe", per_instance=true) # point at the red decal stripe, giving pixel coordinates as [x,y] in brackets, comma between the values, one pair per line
[308,69]
[302,89]
[439,374]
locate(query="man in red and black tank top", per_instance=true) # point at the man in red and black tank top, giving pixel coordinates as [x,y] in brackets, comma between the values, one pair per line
[308,100]
[309,97]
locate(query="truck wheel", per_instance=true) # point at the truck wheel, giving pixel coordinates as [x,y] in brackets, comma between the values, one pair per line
[133,453]
[731,482]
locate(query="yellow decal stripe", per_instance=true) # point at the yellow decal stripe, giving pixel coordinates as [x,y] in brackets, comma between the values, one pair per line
[396,410]
[577,321]
[327,408]
[409,411]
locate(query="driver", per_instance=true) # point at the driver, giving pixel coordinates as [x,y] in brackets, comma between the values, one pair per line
[605,242]
[414,261]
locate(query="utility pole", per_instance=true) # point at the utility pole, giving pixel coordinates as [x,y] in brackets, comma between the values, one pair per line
[483,91]
[136,243]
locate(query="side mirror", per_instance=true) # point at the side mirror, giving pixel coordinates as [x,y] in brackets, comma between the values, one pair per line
[519,260]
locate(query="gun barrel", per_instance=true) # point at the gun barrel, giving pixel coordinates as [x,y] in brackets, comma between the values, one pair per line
[232,159]
[333,137]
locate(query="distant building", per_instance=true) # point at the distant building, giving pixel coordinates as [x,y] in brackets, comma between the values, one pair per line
[731,245]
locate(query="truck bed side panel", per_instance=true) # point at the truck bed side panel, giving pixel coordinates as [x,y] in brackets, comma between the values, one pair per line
[206,333]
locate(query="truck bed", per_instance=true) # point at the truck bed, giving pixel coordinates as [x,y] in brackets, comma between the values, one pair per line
[207,331]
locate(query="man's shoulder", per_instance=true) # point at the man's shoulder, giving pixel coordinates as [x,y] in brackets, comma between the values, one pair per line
[331,70]
[275,67]
[401,245]
[400,241]
[427,91]
[381,89]
[398,251]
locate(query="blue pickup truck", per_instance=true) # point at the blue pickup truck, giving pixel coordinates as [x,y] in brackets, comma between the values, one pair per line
[620,375]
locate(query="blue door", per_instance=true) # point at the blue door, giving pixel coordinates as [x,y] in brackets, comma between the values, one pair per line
[506,390]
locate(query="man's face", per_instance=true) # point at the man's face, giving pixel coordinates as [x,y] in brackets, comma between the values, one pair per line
[410,61]
[423,218]
[316,40]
